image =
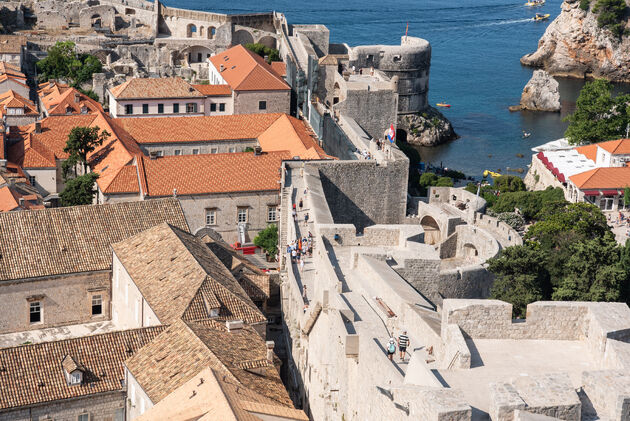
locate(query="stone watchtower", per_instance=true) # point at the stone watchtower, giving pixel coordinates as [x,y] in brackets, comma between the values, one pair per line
[407,63]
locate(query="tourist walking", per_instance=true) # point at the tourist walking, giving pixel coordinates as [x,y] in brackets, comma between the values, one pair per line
[391,349]
[302,264]
[293,255]
[301,204]
[403,343]
[294,215]
[306,218]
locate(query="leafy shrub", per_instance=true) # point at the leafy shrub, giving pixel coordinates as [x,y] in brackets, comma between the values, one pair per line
[611,15]
[262,50]
[509,183]
[585,4]
[529,203]
[513,219]
[444,182]
[267,239]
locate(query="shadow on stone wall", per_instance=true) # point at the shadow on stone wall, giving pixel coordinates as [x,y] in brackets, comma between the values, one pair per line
[343,208]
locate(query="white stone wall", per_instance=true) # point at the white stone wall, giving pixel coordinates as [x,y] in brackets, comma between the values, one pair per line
[117,107]
[129,308]
[138,401]
[20,89]
[246,102]
[46,180]
[67,300]
[226,146]
[227,100]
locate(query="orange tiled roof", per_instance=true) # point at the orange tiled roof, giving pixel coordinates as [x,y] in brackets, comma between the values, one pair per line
[279,67]
[214,90]
[290,134]
[144,88]
[616,147]
[11,99]
[603,178]
[16,79]
[60,99]
[212,173]
[10,197]
[245,70]
[197,129]
[589,151]
[11,70]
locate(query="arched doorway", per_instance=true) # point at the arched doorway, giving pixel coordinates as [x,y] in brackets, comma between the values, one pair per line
[431,228]
[96,21]
[191,30]
[242,37]
[401,135]
[268,41]
[469,251]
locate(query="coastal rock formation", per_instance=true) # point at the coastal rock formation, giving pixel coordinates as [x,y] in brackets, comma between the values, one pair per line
[574,45]
[540,94]
[429,128]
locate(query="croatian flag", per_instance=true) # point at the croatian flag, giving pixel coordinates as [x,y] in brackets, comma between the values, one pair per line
[391,135]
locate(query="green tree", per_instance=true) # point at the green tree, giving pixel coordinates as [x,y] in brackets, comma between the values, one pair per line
[598,115]
[267,239]
[79,190]
[611,15]
[626,196]
[90,94]
[81,141]
[520,277]
[592,272]
[262,50]
[529,203]
[509,183]
[64,63]
[444,182]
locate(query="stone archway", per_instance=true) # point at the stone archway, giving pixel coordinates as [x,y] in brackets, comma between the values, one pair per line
[196,53]
[469,251]
[432,234]
[242,37]
[401,135]
[268,41]
[191,30]
[211,32]
[96,21]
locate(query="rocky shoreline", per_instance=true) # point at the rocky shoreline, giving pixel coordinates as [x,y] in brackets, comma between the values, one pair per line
[540,94]
[429,128]
[575,46]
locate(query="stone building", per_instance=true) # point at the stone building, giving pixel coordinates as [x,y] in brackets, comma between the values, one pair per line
[57,98]
[596,173]
[11,78]
[234,194]
[256,87]
[73,379]
[13,49]
[15,110]
[16,193]
[56,263]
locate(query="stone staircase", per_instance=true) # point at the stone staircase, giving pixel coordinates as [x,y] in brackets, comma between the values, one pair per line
[282,238]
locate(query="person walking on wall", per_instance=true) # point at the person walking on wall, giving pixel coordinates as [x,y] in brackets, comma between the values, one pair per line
[403,343]
[306,218]
[301,204]
[391,349]
[302,264]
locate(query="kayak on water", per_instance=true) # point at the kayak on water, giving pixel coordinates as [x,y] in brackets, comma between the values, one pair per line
[540,16]
[441,104]
[491,174]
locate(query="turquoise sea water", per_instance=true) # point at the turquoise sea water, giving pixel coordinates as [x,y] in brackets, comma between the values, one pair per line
[475,65]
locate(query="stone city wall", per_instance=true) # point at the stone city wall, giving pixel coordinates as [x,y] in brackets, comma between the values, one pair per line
[538,177]
[609,392]
[456,196]
[456,354]
[506,235]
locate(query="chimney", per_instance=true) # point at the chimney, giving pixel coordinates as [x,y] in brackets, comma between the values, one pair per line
[257,150]
[21,201]
[221,68]
[270,345]
[233,325]
[267,59]
[38,127]
[77,97]
[175,193]
[153,155]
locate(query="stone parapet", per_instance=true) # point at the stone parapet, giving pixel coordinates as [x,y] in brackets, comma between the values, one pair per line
[609,392]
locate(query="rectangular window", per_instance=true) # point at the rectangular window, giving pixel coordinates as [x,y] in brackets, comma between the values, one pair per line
[241,215]
[129,109]
[191,107]
[211,216]
[97,305]
[213,107]
[83,417]
[160,108]
[178,152]
[35,311]
[214,150]
[222,107]
[175,108]
[32,180]
[145,108]
[159,153]
[232,149]
[195,151]
[272,213]
[262,105]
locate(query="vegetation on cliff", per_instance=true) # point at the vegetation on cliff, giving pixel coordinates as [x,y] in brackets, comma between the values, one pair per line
[610,15]
[64,63]
[569,254]
[598,115]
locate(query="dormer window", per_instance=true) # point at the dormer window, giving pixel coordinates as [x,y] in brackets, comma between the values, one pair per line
[73,371]
[211,303]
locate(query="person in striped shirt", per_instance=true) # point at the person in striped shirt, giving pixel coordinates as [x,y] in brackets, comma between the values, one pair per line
[403,343]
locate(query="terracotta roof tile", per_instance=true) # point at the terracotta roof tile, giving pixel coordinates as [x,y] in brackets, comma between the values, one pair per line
[279,68]
[12,44]
[16,79]
[11,70]
[11,99]
[616,147]
[290,134]
[7,200]
[213,173]
[75,239]
[33,374]
[603,178]
[60,99]
[245,70]
[145,88]
[125,181]
[589,151]
[214,90]
[176,273]
[197,129]
[186,348]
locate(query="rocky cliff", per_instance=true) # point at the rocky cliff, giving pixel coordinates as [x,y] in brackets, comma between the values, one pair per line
[574,45]
[540,94]
[428,128]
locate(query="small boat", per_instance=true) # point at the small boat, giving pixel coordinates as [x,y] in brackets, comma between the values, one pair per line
[441,104]
[540,16]
[491,174]
[526,135]
[535,3]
